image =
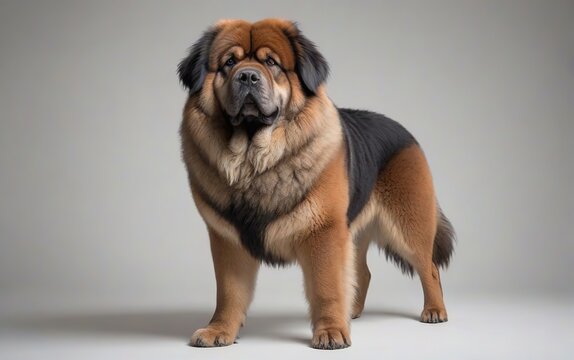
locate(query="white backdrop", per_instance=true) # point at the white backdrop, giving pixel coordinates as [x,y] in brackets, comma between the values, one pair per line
[94,204]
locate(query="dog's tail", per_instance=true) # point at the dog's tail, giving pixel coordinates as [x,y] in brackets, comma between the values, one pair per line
[443,241]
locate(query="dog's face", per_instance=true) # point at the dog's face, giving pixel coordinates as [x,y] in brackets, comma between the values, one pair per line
[253,75]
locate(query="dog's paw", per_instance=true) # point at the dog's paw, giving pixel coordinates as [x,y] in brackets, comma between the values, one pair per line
[433,315]
[331,339]
[211,337]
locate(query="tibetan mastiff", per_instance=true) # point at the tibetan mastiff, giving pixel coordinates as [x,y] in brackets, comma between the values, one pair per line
[281,175]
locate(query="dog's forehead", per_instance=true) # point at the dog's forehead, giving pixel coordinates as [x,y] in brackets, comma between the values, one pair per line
[270,33]
[230,33]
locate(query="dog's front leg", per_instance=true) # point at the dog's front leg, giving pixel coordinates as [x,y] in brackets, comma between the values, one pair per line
[235,273]
[326,260]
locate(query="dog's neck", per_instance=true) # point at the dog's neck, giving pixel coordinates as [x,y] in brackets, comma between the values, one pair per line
[315,127]
[240,160]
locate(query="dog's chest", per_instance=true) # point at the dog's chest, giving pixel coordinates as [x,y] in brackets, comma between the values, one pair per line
[268,197]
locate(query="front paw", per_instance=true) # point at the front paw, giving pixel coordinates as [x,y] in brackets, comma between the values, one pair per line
[211,337]
[331,339]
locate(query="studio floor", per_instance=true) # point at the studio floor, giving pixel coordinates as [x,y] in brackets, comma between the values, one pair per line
[479,328]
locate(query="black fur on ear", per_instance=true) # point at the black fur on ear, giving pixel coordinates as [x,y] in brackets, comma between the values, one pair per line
[311,66]
[193,69]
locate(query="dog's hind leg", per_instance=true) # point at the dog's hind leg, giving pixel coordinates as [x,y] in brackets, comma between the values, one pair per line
[363,275]
[422,240]
[434,310]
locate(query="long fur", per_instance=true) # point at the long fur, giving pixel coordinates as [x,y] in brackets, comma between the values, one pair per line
[443,248]
[311,66]
[193,69]
[443,241]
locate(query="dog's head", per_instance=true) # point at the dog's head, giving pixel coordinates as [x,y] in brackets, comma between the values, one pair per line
[253,74]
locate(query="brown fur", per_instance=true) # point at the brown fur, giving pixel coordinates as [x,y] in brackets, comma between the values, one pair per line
[235,286]
[325,255]
[297,170]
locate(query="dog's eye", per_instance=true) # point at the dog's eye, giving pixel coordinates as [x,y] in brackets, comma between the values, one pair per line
[230,62]
[269,61]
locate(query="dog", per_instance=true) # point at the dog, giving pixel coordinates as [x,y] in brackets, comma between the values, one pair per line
[281,175]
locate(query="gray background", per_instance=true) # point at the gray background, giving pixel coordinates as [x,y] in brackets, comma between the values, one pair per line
[95,210]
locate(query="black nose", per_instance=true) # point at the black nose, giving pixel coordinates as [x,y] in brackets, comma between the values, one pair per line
[248,77]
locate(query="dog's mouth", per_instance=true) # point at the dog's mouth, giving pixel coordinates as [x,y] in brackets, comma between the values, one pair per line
[251,117]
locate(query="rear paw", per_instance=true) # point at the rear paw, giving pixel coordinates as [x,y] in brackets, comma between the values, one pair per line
[331,339]
[433,315]
[211,337]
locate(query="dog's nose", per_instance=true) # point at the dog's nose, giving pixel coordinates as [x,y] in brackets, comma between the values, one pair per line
[248,77]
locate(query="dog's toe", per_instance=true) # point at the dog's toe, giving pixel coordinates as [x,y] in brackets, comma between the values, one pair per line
[432,315]
[211,337]
[331,339]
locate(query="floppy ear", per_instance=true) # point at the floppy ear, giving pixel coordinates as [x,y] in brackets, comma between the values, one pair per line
[193,69]
[310,65]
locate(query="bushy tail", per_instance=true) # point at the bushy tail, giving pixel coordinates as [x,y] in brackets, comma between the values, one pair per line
[443,241]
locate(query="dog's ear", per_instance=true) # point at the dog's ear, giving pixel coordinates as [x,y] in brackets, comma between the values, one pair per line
[193,69]
[310,65]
